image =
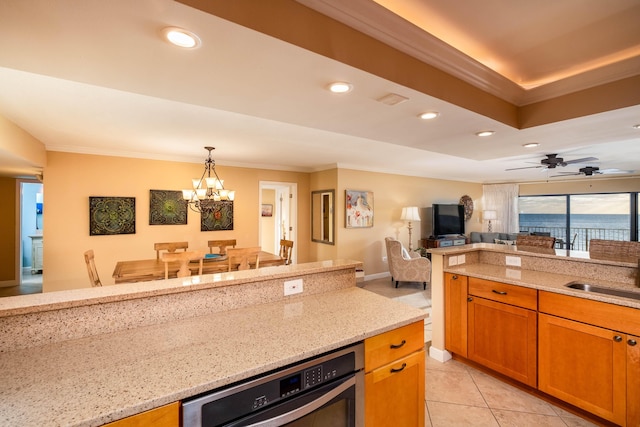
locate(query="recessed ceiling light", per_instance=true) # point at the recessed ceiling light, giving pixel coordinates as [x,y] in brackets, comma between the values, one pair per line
[636,126]
[429,115]
[340,87]
[181,37]
[485,133]
[531,144]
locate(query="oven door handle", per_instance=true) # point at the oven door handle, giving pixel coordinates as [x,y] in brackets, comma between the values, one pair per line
[309,407]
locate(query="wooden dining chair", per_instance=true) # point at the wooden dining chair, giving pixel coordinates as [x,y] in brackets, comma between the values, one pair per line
[535,241]
[615,249]
[222,245]
[170,247]
[91,268]
[184,258]
[243,258]
[286,247]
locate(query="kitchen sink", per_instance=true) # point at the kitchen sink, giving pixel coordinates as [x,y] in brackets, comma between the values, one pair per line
[600,290]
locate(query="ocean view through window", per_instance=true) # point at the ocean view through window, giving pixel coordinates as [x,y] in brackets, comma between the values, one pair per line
[576,219]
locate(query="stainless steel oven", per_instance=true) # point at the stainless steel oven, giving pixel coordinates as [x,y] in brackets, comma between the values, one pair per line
[325,391]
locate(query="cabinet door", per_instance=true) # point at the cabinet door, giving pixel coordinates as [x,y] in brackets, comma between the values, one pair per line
[164,416]
[583,365]
[633,381]
[503,338]
[455,313]
[394,393]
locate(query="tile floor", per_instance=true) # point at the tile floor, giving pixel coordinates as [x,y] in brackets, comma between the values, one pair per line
[460,395]
[31,284]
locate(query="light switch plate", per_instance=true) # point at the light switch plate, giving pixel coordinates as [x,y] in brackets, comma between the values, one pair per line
[461,259]
[513,261]
[453,260]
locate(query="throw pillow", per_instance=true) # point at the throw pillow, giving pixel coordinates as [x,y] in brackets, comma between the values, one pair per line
[505,242]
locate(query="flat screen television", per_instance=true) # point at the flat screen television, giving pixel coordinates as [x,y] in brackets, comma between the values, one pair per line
[448,219]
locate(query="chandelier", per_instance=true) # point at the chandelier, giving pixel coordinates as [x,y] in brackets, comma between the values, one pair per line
[207,190]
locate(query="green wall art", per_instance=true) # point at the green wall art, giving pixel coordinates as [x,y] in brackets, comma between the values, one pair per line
[219,218]
[167,207]
[112,215]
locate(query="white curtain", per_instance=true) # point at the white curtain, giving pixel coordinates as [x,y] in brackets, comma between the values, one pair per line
[502,198]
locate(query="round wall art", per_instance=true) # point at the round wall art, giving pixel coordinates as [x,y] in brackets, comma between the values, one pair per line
[468,206]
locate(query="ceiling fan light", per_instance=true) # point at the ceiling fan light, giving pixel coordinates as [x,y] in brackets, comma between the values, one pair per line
[531,145]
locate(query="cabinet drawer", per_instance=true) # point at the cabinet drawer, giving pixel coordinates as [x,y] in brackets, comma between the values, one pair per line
[501,292]
[385,348]
[605,315]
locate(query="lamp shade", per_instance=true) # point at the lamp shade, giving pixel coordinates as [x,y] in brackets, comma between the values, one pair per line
[410,214]
[489,215]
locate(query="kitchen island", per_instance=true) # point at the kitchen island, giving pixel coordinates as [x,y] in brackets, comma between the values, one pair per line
[175,339]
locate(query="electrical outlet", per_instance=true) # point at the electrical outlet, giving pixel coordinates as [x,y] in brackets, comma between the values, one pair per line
[461,259]
[292,287]
[513,260]
[453,260]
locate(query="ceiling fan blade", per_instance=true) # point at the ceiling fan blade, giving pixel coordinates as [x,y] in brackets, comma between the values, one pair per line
[526,167]
[583,160]
[565,174]
[614,171]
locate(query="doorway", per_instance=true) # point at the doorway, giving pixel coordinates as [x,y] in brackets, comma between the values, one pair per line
[278,218]
[31,239]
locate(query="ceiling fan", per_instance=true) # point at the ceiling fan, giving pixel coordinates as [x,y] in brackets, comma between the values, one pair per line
[552,161]
[592,170]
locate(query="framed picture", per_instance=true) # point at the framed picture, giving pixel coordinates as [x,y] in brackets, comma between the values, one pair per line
[267,210]
[219,218]
[167,207]
[358,209]
[112,215]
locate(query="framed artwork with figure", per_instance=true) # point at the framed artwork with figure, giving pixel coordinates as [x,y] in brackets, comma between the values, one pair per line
[358,209]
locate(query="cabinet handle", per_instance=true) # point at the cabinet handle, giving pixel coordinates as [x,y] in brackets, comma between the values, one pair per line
[499,292]
[399,345]
[617,338]
[469,299]
[632,342]
[394,370]
[454,277]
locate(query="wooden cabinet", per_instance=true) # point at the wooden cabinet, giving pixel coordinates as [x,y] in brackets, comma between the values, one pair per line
[456,289]
[394,377]
[584,361]
[502,329]
[164,416]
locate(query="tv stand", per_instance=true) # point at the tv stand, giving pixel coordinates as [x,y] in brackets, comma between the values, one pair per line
[444,241]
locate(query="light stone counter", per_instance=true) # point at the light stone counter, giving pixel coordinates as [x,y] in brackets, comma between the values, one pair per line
[100,378]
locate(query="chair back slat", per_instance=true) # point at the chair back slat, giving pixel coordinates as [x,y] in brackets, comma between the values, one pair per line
[184,258]
[170,247]
[89,259]
[222,245]
[244,258]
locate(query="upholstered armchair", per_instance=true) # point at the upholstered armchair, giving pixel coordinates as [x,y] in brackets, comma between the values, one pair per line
[405,266]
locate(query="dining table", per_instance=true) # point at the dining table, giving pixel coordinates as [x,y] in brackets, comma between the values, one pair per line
[153,269]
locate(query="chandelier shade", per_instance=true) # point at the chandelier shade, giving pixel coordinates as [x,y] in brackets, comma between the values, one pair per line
[208,189]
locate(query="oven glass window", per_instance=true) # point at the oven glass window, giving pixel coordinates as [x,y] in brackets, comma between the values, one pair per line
[333,415]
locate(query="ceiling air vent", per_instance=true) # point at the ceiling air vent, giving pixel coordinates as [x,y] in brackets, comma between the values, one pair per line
[392,99]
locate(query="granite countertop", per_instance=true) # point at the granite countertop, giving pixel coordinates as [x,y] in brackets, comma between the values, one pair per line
[545,281]
[95,380]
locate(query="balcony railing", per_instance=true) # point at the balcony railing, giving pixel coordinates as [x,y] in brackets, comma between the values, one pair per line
[582,235]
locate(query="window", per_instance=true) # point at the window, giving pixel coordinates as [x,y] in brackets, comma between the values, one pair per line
[575,219]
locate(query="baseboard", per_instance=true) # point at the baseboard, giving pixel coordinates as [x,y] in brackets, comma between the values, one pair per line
[376,276]
[439,355]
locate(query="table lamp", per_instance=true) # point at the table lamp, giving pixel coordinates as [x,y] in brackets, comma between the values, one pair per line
[489,215]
